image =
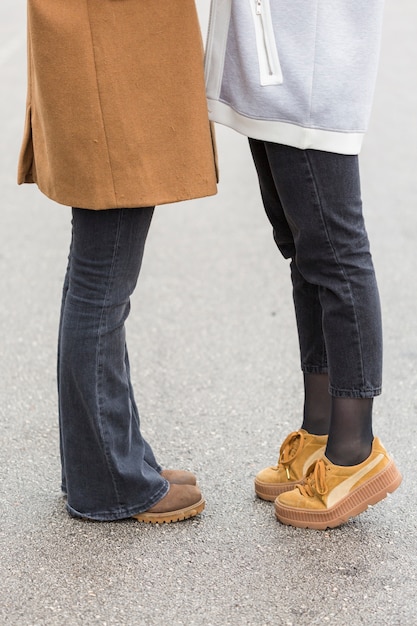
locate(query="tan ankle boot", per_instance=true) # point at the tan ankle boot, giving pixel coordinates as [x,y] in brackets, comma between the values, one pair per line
[181,502]
[179,477]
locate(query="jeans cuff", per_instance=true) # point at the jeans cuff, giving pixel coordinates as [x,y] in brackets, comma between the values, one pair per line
[355,393]
[315,369]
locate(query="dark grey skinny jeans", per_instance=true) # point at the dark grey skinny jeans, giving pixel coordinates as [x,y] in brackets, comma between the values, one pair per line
[108,470]
[313,201]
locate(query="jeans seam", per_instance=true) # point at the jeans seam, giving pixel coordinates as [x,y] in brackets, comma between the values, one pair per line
[100,351]
[345,276]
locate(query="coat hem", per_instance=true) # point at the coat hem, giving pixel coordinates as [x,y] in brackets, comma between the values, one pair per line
[286,133]
[128,204]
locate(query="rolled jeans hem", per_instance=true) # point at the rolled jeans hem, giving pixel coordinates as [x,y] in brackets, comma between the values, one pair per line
[315,369]
[355,393]
[122,512]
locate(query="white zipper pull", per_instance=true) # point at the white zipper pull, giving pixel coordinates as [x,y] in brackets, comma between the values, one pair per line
[258,7]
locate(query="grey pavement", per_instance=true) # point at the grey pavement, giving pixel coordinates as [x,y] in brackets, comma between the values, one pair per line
[215,367]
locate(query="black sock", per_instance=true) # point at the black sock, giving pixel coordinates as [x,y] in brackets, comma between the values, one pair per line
[317,404]
[350,434]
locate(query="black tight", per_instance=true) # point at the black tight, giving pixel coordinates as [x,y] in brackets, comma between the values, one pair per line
[347,421]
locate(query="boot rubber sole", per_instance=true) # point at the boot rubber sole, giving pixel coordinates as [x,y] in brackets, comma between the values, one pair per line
[171,516]
[371,492]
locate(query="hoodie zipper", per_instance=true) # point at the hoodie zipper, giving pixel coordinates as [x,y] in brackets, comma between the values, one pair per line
[269,64]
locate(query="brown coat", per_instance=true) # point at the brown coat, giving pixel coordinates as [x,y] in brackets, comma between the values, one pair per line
[116,110]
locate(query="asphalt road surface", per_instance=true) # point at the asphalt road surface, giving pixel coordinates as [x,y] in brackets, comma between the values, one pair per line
[215,366]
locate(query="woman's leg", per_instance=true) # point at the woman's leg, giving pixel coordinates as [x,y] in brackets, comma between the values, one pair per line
[304,446]
[316,414]
[309,316]
[110,471]
[149,455]
[320,194]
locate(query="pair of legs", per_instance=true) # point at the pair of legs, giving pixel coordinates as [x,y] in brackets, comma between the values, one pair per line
[332,468]
[313,202]
[109,471]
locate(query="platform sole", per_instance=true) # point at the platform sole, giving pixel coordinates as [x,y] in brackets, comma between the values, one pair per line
[269,491]
[371,492]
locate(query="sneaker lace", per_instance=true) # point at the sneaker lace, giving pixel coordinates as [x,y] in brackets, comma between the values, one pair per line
[290,449]
[315,481]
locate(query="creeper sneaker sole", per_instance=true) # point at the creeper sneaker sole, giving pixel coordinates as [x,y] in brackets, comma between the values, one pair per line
[368,493]
[268,491]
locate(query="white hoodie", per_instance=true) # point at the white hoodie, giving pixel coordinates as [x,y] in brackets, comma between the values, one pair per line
[296,72]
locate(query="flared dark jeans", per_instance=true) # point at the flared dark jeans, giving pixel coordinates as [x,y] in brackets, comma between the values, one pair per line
[109,471]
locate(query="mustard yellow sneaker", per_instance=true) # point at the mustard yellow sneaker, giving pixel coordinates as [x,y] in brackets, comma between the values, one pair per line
[298,452]
[331,494]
